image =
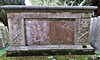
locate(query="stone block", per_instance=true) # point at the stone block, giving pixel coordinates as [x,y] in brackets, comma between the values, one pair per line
[34,28]
[86,15]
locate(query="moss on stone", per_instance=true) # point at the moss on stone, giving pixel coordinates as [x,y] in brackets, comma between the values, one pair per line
[84,46]
[51,52]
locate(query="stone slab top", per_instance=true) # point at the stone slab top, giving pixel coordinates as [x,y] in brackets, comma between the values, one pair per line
[24,8]
[47,7]
[49,47]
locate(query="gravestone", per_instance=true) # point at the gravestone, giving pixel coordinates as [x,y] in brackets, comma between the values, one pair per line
[4,39]
[1,43]
[95,33]
[48,27]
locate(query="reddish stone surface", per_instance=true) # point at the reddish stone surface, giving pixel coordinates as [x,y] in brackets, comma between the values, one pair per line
[37,32]
[62,32]
[49,32]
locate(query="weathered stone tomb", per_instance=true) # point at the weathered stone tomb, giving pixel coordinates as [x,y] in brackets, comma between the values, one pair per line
[48,27]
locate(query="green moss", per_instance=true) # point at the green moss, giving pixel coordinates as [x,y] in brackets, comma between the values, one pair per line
[84,46]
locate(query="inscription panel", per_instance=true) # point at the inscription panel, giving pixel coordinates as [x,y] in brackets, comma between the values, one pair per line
[49,31]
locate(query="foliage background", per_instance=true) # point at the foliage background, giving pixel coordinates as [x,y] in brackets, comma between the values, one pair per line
[62,2]
[12,2]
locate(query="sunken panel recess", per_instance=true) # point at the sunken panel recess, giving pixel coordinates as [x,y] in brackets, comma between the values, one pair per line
[49,31]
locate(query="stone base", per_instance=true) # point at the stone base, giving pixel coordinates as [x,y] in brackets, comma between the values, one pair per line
[45,49]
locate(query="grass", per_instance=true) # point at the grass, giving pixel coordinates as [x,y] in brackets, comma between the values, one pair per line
[64,57]
[60,57]
[2,51]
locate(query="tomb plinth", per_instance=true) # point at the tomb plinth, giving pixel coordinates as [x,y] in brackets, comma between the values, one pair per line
[48,27]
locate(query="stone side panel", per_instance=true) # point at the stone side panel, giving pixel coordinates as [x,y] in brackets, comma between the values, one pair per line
[15,31]
[16,25]
[82,31]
